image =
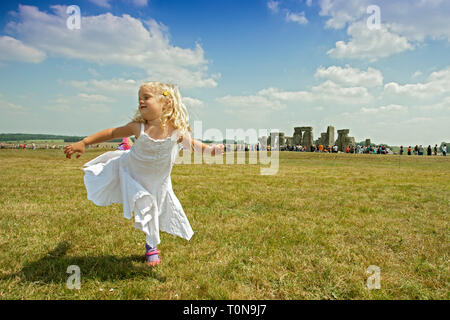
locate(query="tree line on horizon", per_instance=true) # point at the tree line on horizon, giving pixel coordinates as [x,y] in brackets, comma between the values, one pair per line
[33,136]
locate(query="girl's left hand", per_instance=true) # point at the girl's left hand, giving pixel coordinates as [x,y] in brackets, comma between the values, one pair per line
[78,147]
[217,150]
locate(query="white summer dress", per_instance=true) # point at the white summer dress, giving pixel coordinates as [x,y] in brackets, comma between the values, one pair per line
[139,178]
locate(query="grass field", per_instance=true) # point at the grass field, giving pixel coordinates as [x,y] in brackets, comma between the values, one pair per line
[309,232]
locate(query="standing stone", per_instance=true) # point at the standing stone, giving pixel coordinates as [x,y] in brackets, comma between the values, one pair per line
[340,142]
[327,138]
[297,138]
[344,140]
[276,141]
[263,142]
[307,139]
[323,138]
[368,143]
[350,142]
[282,140]
[330,136]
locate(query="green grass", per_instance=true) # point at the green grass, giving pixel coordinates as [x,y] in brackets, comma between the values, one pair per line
[309,232]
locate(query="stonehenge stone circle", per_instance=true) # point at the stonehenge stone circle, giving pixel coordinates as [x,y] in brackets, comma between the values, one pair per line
[304,136]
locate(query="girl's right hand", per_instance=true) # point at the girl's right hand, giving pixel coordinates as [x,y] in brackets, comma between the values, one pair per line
[78,147]
[217,150]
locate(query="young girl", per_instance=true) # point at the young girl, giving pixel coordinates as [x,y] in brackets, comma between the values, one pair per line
[139,178]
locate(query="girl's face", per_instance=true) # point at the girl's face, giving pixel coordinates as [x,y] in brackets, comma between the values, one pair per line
[150,104]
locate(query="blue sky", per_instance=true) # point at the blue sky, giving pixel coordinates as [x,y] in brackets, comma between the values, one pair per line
[239,64]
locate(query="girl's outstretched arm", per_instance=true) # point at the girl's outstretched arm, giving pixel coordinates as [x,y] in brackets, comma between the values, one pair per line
[79,147]
[194,145]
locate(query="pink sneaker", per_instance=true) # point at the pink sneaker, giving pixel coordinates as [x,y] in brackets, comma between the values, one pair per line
[152,257]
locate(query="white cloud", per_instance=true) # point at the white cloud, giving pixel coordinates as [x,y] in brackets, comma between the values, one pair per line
[441,106]
[425,105]
[349,76]
[404,25]
[422,21]
[347,92]
[387,110]
[109,39]
[94,98]
[117,86]
[417,74]
[327,92]
[417,120]
[393,125]
[287,96]
[96,108]
[255,102]
[438,85]
[418,90]
[101,3]
[140,3]
[289,16]
[93,72]
[369,44]
[415,20]
[296,17]
[440,76]
[14,50]
[81,102]
[273,6]
[7,106]
[106,3]
[192,102]
[332,93]
[342,12]
[57,108]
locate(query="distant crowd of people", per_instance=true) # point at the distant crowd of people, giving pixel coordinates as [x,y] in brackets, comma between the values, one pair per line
[358,149]
[381,149]
[33,146]
[30,146]
[335,149]
[19,146]
[419,150]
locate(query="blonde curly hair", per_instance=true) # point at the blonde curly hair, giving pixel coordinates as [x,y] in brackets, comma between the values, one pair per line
[176,112]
